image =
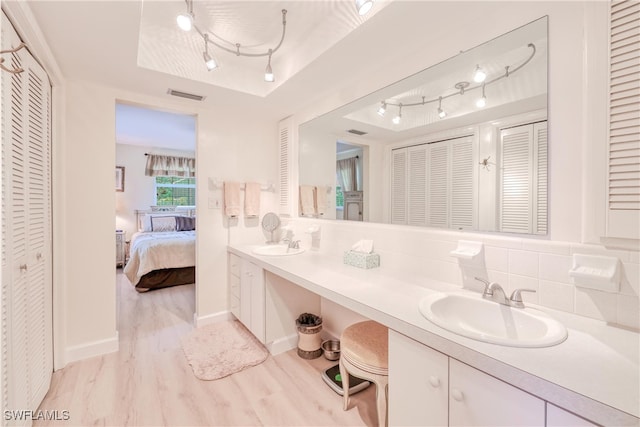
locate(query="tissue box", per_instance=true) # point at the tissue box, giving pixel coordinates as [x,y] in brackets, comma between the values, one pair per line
[361,260]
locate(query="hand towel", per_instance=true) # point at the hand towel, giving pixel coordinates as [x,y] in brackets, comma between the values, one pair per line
[321,200]
[232,199]
[307,200]
[251,199]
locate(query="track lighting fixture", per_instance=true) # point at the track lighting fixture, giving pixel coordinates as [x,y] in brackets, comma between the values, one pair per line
[186,21]
[363,6]
[479,75]
[209,61]
[396,120]
[382,109]
[481,102]
[441,113]
[268,73]
[461,89]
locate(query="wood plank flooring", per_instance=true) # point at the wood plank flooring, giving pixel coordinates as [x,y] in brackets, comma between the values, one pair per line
[148,382]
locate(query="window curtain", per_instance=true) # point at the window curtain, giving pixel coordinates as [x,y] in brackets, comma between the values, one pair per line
[158,165]
[347,171]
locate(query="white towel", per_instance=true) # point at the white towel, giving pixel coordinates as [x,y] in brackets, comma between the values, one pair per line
[232,199]
[307,200]
[321,200]
[252,199]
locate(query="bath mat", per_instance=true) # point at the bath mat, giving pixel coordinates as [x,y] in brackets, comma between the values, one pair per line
[221,349]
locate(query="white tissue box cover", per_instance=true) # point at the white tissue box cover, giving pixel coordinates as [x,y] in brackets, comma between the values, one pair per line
[361,260]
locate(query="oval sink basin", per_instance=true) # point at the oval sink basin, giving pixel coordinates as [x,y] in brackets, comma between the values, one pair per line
[474,317]
[276,250]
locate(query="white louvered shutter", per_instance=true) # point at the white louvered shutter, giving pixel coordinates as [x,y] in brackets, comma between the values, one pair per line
[540,180]
[463,184]
[438,175]
[523,179]
[399,163]
[516,179]
[286,157]
[417,185]
[27,358]
[623,210]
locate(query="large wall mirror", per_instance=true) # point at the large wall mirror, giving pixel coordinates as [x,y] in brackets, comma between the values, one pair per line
[441,148]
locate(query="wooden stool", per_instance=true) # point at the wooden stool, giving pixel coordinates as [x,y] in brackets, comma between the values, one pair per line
[364,353]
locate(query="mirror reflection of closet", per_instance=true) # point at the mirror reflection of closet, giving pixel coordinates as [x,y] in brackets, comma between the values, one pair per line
[349,181]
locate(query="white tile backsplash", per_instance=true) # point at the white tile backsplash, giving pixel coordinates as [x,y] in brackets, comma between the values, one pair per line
[555,268]
[596,304]
[523,263]
[514,262]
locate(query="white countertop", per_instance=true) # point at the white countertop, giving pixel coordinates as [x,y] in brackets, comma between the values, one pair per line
[595,373]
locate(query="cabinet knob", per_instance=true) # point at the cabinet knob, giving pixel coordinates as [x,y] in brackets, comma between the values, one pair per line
[457,395]
[434,381]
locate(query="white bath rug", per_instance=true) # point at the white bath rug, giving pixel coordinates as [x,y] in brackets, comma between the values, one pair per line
[221,349]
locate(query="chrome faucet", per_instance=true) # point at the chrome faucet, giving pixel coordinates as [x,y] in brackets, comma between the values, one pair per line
[494,292]
[292,244]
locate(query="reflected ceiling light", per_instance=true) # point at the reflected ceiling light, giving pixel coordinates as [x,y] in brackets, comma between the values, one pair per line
[441,113]
[186,21]
[363,6]
[479,75]
[382,109]
[209,61]
[482,102]
[396,120]
[268,73]
[461,89]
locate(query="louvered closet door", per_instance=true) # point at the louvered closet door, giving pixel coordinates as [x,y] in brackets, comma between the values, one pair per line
[399,161]
[286,156]
[463,184]
[26,228]
[623,213]
[417,185]
[523,179]
[438,173]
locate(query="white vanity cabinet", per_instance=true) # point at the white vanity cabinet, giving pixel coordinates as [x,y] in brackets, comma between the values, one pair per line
[247,294]
[557,417]
[428,388]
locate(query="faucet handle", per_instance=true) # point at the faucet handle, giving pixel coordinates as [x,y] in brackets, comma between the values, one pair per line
[487,284]
[516,297]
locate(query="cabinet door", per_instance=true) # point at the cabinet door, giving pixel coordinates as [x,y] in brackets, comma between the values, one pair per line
[257,303]
[246,278]
[557,417]
[418,383]
[477,399]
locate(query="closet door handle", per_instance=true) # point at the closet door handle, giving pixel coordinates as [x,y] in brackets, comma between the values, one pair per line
[39,256]
[23,268]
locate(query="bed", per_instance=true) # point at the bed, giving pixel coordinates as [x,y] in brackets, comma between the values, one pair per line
[163,252]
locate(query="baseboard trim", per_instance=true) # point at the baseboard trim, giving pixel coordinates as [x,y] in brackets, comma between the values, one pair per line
[283,344]
[201,321]
[92,349]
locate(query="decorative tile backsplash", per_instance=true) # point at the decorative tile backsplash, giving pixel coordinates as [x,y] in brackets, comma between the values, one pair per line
[511,261]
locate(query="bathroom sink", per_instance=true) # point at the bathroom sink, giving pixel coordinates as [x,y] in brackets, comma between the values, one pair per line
[472,316]
[277,250]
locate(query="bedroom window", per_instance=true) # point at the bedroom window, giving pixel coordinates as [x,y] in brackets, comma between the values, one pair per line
[175,191]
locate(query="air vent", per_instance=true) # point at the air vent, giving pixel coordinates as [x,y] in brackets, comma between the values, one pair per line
[186,95]
[357,132]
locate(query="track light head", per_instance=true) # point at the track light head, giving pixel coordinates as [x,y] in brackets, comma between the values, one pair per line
[268,72]
[185,21]
[479,75]
[363,6]
[441,113]
[396,120]
[382,109]
[482,102]
[209,61]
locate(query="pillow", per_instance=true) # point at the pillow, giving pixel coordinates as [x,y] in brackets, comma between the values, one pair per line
[163,208]
[146,220]
[185,223]
[163,223]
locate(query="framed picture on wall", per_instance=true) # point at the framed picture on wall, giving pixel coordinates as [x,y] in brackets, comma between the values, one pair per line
[119,178]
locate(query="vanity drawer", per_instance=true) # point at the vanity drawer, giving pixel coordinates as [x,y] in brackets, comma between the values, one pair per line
[234,286]
[234,265]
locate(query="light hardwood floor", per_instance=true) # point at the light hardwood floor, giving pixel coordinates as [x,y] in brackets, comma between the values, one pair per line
[148,382]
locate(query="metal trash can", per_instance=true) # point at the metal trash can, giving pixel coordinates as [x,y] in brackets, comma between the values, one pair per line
[309,341]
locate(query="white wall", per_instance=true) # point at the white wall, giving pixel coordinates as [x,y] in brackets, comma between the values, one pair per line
[139,189]
[226,150]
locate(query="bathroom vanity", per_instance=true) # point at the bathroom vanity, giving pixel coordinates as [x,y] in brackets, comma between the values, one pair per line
[437,377]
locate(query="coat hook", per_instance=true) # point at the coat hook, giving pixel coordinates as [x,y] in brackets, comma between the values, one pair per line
[15,70]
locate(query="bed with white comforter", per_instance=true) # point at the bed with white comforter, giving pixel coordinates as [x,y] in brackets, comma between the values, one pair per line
[161,253]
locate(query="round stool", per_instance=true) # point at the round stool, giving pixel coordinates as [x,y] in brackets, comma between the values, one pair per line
[364,349]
